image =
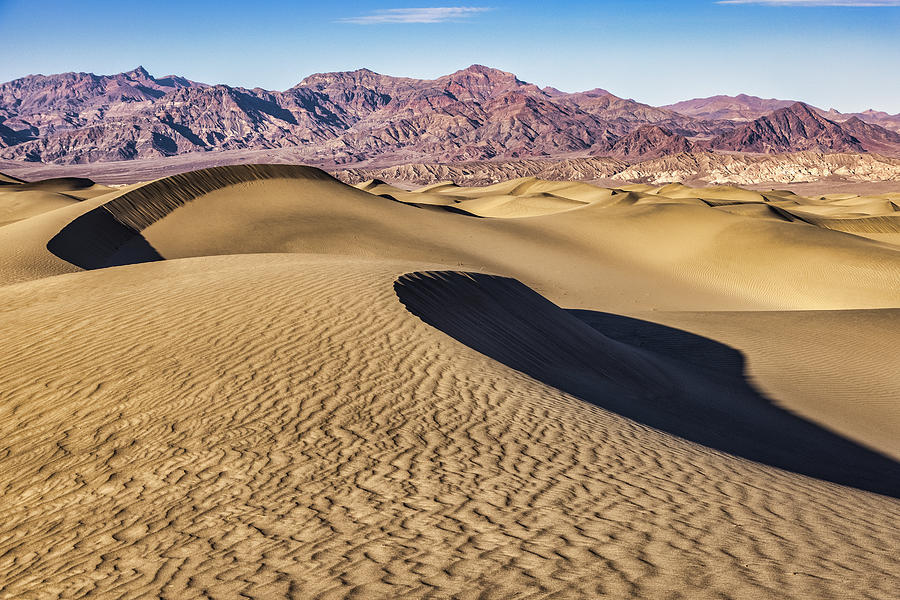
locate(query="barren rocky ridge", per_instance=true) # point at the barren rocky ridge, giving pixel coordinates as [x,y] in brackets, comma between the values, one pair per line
[362,117]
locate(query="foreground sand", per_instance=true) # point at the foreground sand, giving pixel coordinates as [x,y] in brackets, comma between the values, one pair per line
[332,421]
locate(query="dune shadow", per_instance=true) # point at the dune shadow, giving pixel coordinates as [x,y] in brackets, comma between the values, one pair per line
[715,359]
[96,240]
[672,380]
[58,184]
[432,207]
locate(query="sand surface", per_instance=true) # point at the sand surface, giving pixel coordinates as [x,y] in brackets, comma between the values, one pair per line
[260,382]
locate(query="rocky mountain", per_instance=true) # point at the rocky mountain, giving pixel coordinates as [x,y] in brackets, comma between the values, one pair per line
[747,108]
[331,118]
[732,108]
[487,172]
[749,169]
[799,127]
[874,138]
[478,113]
[39,105]
[622,114]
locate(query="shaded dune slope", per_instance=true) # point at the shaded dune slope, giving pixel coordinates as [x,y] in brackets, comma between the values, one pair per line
[836,368]
[505,320]
[62,184]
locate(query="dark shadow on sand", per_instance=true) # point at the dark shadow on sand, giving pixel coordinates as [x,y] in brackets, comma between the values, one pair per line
[96,240]
[684,384]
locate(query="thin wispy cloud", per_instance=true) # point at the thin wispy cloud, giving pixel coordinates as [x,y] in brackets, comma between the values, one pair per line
[857,3]
[435,14]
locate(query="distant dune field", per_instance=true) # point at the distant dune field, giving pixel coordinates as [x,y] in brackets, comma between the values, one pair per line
[257,381]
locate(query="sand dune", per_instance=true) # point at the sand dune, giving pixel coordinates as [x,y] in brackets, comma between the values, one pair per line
[609,248]
[503,319]
[260,382]
[20,200]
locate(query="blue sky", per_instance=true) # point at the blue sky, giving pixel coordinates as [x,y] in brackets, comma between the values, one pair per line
[831,53]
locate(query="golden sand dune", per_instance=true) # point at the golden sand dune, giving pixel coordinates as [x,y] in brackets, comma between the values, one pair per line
[257,381]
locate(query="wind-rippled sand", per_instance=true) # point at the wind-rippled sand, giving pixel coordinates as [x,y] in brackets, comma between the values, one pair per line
[291,388]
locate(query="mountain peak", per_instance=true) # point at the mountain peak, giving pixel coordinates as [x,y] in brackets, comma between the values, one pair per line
[489,74]
[793,128]
[596,93]
[476,68]
[799,106]
[479,83]
[355,77]
[742,107]
[138,73]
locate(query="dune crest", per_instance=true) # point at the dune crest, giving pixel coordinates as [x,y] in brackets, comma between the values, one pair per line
[141,207]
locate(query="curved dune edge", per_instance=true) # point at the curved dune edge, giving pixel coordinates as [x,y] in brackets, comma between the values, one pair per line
[110,235]
[143,206]
[318,440]
[856,225]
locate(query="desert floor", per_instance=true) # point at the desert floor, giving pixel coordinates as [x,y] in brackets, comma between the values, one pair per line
[258,382]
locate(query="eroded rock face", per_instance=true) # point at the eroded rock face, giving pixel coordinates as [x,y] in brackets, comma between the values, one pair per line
[742,169]
[478,113]
[700,167]
[650,141]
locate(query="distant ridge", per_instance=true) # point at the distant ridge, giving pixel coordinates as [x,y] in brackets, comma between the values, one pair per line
[747,108]
[734,108]
[351,117]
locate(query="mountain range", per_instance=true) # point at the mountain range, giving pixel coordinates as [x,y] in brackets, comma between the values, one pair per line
[362,117]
